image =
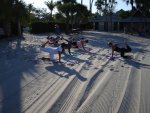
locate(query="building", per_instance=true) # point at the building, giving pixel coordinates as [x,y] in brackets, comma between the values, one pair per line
[115,23]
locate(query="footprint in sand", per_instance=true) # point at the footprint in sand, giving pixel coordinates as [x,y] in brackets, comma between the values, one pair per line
[122,65]
[95,68]
[111,69]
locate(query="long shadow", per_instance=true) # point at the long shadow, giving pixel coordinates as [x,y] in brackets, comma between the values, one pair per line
[60,67]
[13,64]
[73,57]
[136,64]
[56,68]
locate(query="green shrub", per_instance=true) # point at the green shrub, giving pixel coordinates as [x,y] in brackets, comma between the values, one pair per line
[86,26]
[41,27]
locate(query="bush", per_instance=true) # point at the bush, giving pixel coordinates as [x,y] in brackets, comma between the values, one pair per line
[41,27]
[86,26]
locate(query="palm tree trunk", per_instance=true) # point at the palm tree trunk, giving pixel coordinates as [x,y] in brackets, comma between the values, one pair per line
[90,6]
[19,28]
[7,29]
[67,23]
[81,2]
[71,21]
[51,14]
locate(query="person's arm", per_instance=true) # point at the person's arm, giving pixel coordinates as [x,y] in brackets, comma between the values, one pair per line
[66,40]
[112,54]
[43,45]
[59,56]
[82,43]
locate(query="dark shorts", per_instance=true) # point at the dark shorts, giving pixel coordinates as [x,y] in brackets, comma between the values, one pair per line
[123,50]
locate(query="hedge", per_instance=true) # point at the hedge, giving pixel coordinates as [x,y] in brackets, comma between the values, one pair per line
[41,27]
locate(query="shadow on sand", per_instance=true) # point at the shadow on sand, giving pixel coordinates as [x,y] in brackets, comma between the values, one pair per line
[136,64]
[63,71]
[14,64]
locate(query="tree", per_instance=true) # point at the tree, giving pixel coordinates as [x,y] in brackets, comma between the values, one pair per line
[59,17]
[20,14]
[12,11]
[111,6]
[72,11]
[91,3]
[81,2]
[139,4]
[6,15]
[51,5]
[66,8]
[123,14]
[130,2]
[82,14]
[142,5]
[99,5]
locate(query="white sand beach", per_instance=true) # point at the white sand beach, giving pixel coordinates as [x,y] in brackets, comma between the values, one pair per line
[86,81]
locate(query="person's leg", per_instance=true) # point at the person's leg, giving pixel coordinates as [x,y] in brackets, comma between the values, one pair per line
[122,50]
[128,49]
[69,50]
[50,51]
[125,50]
[59,56]
[51,56]
[74,44]
[63,47]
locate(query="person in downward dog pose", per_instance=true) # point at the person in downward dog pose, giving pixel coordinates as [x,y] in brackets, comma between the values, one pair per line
[122,50]
[52,50]
[80,43]
[76,44]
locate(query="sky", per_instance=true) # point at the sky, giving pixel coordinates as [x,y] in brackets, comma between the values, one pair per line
[40,4]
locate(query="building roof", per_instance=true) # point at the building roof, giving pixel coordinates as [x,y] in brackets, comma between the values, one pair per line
[107,19]
[136,19]
[116,18]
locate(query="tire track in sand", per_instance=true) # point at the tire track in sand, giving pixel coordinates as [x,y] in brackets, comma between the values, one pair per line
[110,94]
[74,94]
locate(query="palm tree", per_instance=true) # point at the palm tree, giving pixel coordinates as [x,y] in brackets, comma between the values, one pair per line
[130,2]
[82,14]
[99,4]
[6,15]
[81,2]
[51,5]
[111,7]
[91,3]
[20,14]
[12,11]
[106,7]
[66,8]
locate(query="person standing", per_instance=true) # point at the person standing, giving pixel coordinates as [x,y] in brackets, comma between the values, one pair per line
[57,29]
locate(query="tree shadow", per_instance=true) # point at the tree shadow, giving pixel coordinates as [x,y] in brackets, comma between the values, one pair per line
[15,61]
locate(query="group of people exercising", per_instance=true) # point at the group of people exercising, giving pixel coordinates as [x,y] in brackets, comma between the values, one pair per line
[58,47]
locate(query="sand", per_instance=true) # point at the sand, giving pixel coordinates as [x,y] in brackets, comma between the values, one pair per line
[86,82]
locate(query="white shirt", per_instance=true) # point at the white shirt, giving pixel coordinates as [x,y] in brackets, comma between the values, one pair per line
[52,51]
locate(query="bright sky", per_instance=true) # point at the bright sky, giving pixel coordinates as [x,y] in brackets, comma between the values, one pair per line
[40,4]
